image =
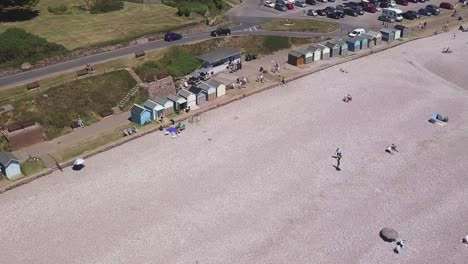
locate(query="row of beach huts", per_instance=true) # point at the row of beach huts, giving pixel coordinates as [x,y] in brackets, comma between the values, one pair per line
[341,47]
[191,98]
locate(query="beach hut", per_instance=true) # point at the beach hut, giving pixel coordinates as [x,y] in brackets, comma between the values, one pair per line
[343,46]
[295,58]
[405,31]
[317,54]
[9,164]
[325,51]
[397,33]
[370,40]
[354,44]
[307,54]
[178,101]
[334,49]
[364,41]
[377,37]
[200,95]
[166,103]
[219,86]
[387,35]
[210,90]
[154,108]
[140,115]
[190,97]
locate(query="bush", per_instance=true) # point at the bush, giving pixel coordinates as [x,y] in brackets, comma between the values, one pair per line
[17,46]
[275,43]
[105,6]
[59,10]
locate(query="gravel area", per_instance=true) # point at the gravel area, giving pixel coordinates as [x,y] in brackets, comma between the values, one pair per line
[254,181]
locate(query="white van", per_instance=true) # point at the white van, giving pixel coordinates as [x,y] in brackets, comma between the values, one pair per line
[392,14]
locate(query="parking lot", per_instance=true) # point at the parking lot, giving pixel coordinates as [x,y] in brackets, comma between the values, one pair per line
[252,8]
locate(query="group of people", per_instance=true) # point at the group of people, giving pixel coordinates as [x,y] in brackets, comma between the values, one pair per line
[275,68]
[89,68]
[347,98]
[422,25]
[235,66]
[390,149]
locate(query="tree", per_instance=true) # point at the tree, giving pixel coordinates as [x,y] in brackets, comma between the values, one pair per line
[13,10]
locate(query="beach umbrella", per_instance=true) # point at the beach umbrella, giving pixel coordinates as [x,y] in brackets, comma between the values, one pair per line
[78,162]
[171,129]
[389,234]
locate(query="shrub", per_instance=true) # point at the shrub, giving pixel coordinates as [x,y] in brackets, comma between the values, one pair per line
[59,10]
[17,46]
[105,6]
[275,43]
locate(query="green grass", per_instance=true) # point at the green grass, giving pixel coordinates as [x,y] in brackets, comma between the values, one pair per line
[286,24]
[58,106]
[89,145]
[82,29]
[31,166]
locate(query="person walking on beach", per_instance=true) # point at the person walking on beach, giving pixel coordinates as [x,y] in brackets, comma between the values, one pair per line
[388,149]
[425,24]
[338,153]
[393,147]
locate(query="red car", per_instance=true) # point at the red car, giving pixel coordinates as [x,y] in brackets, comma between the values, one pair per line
[370,9]
[290,6]
[446,5]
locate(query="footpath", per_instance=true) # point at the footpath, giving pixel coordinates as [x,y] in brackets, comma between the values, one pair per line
[250,70]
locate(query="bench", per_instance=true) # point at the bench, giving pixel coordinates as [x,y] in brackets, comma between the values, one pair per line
[82,72]
[33,85]
[139,54]
[106,113]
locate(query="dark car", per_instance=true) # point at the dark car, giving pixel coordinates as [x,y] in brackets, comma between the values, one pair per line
[311,2]
[434,9]
[413,1]
[422,1]
[339,7]
[322,12]
[331,0]
[351,12]
[411,15]
[358,9]
[402,2]
[311,12]
[446,5]
[384,5]
[333,15]
[424,12]
[221,31]
[280,7]
[171,36]
[300,4]
[340,13]
[385,19]
[370,9]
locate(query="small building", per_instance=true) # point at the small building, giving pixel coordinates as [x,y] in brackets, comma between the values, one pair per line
[324,51]
[405,31]
[200,95]
[343,46]
[354,44]
[397,33]
[376,37]
[364,41]
[387,35]
[178,101]
[154,108]
[218,60]
[370,40]
[317,53]
[220,87]
[209,90]
[140,115]
[9,165]
[190,97]
[166,103]
[334,49]
[295,58]
[307,54]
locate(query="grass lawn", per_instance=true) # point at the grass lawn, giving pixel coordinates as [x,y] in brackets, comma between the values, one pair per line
[89,145]
[81,29]
[30,166]
[56,107]
[286,24]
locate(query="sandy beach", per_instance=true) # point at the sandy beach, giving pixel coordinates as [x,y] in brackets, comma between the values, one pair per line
[254,182]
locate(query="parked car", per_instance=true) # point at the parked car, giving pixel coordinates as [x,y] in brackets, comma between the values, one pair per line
[311,12]
[323,1]
[311,2]
[384,5]
[351,12]
[281,7]
[358,9]
[434,9]
[290,6]
[340,13]
[322,12]
[402,2]
[422,1]
[221,31]
[424,12]
[300,4]
[331,0]
[413,1]
[339,7]
[465,2]
[385,19]
[333,15]
[171,36]
[357,32]
[269,4]
[446,5]
[370,9]
[411,15]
